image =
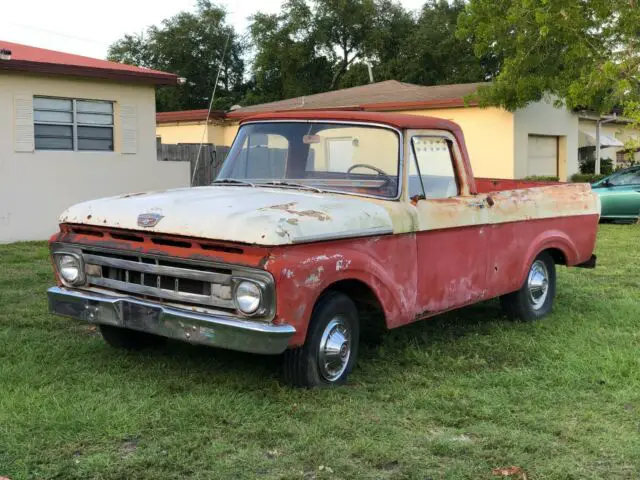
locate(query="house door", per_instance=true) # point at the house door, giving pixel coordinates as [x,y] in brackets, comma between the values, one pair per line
[452,227]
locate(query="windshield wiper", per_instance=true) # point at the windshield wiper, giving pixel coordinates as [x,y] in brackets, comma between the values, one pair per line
[292,185]
[233,181]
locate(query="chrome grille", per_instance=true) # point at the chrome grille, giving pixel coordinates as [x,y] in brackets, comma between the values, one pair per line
[160,278]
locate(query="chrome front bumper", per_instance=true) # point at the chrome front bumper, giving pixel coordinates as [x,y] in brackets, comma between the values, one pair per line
[188,326]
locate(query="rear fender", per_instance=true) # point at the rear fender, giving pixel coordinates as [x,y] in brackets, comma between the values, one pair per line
[550,239]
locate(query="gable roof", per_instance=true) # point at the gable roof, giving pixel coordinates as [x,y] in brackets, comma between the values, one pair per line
[25,58]
[382,96]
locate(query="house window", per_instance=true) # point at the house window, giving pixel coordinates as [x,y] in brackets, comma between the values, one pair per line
[69,124]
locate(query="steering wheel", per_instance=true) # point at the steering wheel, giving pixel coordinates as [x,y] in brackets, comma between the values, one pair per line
[380,172]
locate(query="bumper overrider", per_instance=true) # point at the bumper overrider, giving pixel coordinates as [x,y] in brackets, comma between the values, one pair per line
[194,327]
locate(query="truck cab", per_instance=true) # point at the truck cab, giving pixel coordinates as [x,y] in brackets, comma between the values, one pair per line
[318,224]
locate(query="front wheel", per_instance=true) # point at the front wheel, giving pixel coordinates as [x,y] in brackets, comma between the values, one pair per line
[535,298]
[329,353]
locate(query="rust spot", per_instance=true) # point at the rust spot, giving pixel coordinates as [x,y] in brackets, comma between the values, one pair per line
[289,208]
[293,221]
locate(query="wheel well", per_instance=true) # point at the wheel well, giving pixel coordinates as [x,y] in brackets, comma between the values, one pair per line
[559,258]
[369,308]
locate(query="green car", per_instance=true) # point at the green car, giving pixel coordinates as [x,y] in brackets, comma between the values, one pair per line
[620,195]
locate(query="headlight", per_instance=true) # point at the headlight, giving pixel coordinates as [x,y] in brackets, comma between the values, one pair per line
[248,297]
[70,268]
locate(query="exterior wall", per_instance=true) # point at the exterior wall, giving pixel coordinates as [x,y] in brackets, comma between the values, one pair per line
[488,133]
[542,118]
[35,187]
[218,133]
[174,133]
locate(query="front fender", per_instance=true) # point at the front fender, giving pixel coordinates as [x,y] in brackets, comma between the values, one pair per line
[302,273]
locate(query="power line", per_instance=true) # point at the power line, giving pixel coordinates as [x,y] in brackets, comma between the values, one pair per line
[52,32]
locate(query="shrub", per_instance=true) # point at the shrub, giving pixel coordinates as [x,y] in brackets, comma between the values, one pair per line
[542,178]
[588,165]
[586,177]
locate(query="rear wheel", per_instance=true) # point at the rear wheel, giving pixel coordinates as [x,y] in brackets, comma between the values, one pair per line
[535,298]
[330,350]
[127,339]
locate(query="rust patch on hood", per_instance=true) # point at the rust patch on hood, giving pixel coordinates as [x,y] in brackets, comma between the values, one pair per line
[289,208]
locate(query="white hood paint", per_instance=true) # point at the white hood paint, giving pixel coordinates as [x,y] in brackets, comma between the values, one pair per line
[262,216]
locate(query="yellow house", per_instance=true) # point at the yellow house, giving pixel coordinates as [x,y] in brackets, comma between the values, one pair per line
[72,129]
[538,140]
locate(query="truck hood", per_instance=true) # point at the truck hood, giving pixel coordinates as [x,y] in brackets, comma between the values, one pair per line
[253,215]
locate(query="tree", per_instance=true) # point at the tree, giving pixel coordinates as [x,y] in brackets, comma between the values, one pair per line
[437,56]
[190,44]
[286,64]
[585,54]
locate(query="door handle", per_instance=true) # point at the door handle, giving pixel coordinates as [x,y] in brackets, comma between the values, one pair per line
[476,204]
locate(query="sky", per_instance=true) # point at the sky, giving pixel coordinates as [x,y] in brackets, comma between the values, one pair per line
[88,27]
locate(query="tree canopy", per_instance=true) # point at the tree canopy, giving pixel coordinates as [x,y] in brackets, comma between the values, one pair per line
[190,45]
[311,46]
[584,53]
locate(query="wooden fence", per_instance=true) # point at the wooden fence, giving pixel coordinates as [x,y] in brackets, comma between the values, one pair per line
[211,159]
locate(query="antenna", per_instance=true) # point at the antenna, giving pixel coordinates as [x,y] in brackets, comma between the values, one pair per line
[213,96]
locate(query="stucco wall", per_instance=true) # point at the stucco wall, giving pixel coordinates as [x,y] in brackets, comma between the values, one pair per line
[542,118]
[488,134]
[218,133]
[35,187]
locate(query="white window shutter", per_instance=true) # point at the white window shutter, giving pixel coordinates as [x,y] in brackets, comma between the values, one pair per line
[129,128]
[23,137]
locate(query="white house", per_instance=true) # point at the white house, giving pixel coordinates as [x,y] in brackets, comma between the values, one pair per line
[74,128]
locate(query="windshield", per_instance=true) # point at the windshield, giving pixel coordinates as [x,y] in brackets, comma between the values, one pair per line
[357,159]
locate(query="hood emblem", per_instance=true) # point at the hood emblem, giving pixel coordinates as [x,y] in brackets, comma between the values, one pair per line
[148,220]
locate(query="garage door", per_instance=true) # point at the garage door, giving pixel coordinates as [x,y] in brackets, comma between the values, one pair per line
[542,156]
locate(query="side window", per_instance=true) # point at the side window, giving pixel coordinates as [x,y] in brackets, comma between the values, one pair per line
[263,155]
[627,178]
[431,168]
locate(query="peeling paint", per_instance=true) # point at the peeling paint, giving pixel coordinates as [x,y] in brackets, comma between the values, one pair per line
[315,277]
[342,264]
[290,208]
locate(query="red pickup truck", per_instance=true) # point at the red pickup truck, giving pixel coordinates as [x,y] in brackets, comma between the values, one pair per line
[318,223]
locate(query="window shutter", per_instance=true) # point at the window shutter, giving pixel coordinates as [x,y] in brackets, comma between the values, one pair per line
[129,128]
[23,139]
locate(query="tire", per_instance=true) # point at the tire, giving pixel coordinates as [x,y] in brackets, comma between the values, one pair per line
[334,319]
[535,298]
[126,339]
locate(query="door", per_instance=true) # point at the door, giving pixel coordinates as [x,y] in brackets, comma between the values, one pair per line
[452,226]
[542,156]
[620,194]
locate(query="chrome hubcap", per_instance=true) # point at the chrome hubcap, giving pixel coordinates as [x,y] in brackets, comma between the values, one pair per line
[335,349]
[538,284]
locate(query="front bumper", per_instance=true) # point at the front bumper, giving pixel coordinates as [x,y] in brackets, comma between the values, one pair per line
[188,326]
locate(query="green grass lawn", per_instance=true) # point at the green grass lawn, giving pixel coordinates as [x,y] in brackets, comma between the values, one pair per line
[451,397]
